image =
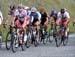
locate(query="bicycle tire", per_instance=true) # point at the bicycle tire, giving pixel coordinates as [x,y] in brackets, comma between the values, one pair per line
[8,41]
[58,39]
[13,43]
[65,40]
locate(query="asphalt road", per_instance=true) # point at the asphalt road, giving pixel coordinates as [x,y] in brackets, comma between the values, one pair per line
[48,50]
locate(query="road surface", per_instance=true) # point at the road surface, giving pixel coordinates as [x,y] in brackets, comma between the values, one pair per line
[48,50]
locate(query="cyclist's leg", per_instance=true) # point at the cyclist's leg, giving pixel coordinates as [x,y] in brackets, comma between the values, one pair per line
[66,29]
[25,34]
[37,27]
[57,25]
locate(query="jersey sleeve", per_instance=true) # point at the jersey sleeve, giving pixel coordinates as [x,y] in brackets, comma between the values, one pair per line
[25,12]
[39,15]
[59,15]
[67,15]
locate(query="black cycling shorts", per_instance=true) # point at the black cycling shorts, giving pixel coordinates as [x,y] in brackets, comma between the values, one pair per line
[34,21]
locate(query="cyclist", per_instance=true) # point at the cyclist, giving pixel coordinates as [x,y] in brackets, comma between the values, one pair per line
[35,17]
[22,21]
[64,18]
[53,18]
[44,19]
[10,18]
[44,23]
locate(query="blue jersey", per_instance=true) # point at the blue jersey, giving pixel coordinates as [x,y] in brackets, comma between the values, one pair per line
[36,15]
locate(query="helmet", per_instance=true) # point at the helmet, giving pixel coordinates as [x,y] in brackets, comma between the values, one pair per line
[20,6]
[62,10]
[33,9]
[26,7]
[53,11]
[12,6]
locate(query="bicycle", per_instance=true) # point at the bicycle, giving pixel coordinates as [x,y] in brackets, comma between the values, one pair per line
[60,36]
[63,32]
[12,39]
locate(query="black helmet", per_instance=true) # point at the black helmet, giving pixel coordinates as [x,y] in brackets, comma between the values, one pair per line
[12,6]
[62,10]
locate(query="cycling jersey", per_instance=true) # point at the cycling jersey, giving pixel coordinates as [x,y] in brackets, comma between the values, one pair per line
[36,15]
[22,14]
[23,18]
[43,17]
[63,16]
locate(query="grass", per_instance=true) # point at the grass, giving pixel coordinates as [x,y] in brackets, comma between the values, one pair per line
[47,4]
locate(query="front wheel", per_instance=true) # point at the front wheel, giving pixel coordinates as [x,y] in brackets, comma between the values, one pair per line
[14,42]
[65,40]
[58,40]
[8,41]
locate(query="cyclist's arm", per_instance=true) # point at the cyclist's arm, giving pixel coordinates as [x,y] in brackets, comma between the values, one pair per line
[68,17]
[6,20]
[25,21]
[39,16]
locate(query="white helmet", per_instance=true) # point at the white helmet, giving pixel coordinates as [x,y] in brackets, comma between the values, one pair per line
[33,9]
[21,6]
[26,7]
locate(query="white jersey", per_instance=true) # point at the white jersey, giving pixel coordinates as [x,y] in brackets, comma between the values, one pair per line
[1,17]
[22,14]
[64,16]
[39,15]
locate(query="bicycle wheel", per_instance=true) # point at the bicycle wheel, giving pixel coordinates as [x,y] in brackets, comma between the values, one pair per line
[58,39]
[23,47]
[13,42]
[50,37]
[65,40]
[8,41]
[28,40]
